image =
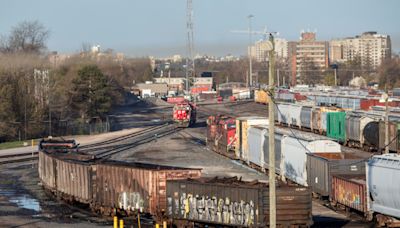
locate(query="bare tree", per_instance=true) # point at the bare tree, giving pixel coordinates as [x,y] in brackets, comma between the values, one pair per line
[310,72]
[27,37]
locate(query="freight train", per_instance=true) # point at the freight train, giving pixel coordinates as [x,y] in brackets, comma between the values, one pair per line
[355,129]
[344,176]
[176,194]
[184,114]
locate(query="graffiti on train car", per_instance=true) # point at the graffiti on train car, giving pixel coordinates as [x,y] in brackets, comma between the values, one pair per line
[212,209]
[348,197]
[130,201]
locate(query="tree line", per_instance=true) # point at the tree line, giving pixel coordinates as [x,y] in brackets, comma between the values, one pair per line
[37,89]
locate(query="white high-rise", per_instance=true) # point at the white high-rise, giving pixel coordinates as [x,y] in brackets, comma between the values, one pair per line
[370,47]
[259,50]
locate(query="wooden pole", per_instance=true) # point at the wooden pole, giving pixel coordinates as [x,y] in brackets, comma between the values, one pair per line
[271,130]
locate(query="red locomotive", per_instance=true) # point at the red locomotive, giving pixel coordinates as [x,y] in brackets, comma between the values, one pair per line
[184,114]
[221,134]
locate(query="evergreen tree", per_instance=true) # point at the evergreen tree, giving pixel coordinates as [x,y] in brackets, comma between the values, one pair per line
[90,94]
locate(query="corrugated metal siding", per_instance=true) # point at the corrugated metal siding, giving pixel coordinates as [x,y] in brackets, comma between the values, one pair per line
[294,159]
[350,191]
[247,206]
[256,139]
[336,125]
[295,113]
[316,120]
[306,117]
[137,186]
[46,169]
[321,167]
[278,151]
[353,128]
[293,206]
[74,179]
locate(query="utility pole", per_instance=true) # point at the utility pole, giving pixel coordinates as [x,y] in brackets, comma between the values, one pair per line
[249,51]
[386,122]
[271,131]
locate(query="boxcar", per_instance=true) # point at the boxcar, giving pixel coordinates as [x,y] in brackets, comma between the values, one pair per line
[242,125]
[321,167]
[235,203]
[350,191]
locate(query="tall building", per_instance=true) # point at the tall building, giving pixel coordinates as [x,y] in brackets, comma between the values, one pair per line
[370,47]
[259,50]
[336,50]
[307,51]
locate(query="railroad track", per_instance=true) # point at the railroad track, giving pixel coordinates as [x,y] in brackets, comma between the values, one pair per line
[134,141]
[17,158]
[93,146]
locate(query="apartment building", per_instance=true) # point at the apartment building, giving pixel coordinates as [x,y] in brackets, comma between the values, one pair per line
[370,47]
[307,51]
[259,50]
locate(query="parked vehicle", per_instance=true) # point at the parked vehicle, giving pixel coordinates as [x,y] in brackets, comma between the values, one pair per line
[184,114]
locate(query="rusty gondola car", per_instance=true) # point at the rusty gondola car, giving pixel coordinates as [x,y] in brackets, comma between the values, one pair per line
[109,186]
[231,202]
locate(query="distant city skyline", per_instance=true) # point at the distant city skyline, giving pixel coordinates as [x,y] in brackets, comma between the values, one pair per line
[158,28]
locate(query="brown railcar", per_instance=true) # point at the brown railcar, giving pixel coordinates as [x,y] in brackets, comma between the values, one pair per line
[230,202]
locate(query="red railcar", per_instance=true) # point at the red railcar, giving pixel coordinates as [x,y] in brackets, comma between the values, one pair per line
[221,134]
[184,114]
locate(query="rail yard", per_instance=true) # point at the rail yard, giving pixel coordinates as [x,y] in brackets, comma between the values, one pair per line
[213,173]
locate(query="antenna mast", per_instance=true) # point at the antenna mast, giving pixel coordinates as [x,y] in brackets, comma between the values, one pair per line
[190,70]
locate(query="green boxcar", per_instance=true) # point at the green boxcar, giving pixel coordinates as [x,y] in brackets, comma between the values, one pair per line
[335,125]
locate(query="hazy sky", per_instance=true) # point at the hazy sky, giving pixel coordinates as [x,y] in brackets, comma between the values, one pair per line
[158,27]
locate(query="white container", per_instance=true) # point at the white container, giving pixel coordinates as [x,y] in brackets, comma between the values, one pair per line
[242,126]
[294,156]
[295,115]
[283,111]
[256,141]
[383,184]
